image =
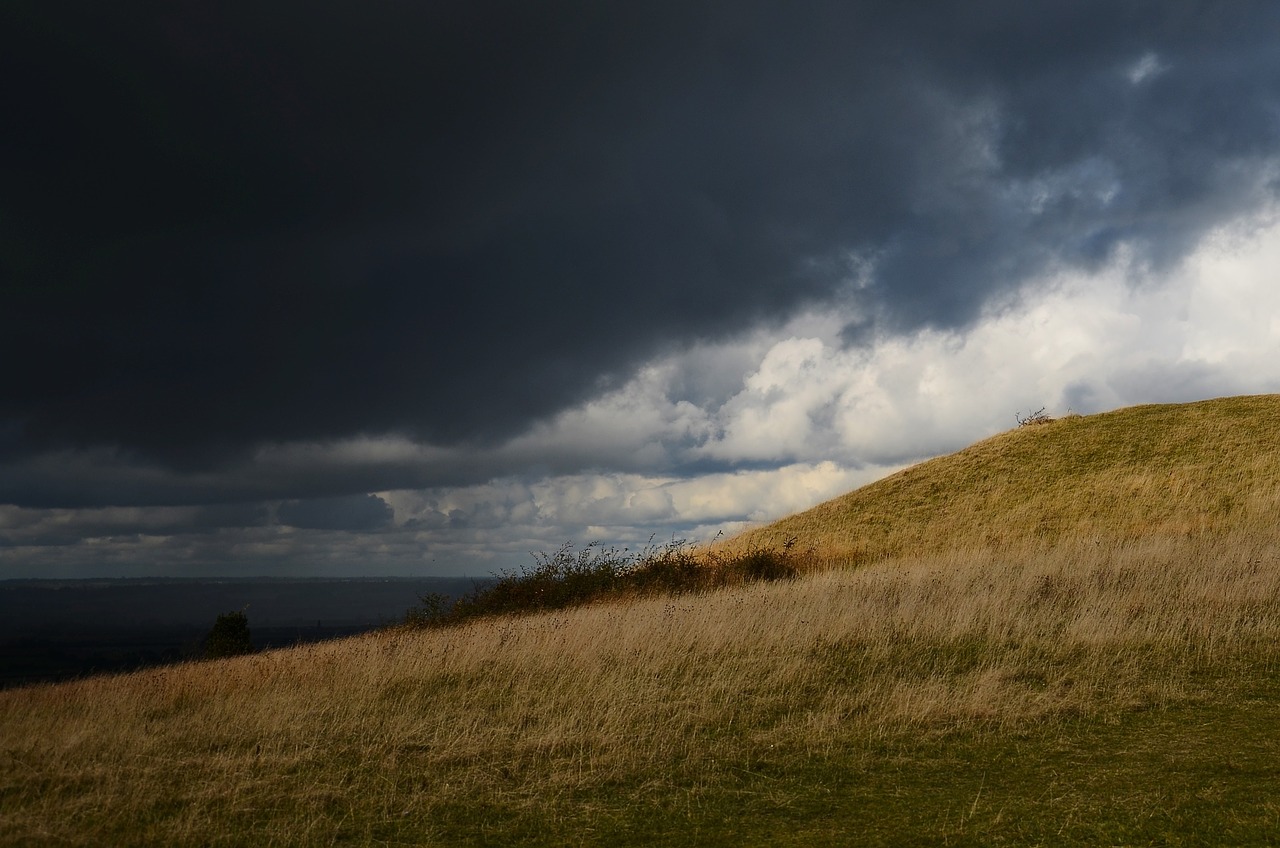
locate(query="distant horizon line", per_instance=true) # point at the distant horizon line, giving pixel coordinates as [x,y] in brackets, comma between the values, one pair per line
[261,578]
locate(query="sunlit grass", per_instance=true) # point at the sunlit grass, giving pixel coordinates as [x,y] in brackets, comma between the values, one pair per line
[1104,672]
[1147,470]
[570,717]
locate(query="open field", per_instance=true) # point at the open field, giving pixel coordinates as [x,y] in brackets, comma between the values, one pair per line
[1067,688]
[1041,695]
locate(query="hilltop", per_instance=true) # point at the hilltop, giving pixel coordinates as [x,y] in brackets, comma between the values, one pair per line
[1167,469]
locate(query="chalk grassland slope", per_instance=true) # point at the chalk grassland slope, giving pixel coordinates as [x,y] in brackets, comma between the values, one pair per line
[1047,690]
[766,714]
[1142,471]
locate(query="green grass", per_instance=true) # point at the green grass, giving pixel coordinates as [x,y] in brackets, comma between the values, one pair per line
[1207,774]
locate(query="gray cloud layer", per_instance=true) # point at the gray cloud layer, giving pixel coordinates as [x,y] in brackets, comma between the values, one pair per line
[253,223]
[259,260]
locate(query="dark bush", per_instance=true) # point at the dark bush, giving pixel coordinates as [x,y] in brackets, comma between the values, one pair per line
[229,636]
[570,578]
[431,608]
[759,564]
[673,568]
[1033,419]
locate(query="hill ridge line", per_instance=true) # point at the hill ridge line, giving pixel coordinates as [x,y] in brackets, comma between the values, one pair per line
[1163,469]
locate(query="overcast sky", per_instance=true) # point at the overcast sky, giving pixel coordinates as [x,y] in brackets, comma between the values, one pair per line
[390,287]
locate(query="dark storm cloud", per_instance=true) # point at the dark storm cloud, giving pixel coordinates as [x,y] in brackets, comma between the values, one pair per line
[354,513]
[37,527]
[233,224]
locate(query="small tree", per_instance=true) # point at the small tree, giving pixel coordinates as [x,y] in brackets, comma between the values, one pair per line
[229,636]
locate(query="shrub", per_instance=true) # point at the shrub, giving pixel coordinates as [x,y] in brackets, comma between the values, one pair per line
[571,578]
[229,636]
[758,564]
[431,607]
[1032,419]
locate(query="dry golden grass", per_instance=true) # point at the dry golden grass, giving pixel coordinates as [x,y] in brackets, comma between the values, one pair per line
[394,730]
[1076,571]
[1147,470]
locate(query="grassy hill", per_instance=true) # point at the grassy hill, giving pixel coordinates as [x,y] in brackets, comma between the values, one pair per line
[1066,634]
[1172,469]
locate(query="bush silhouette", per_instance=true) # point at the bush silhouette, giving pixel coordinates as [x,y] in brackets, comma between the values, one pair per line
[572,577]
[229,636]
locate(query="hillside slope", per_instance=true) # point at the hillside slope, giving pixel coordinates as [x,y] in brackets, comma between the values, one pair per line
[1083,696]
[1146,470]
[993,692]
